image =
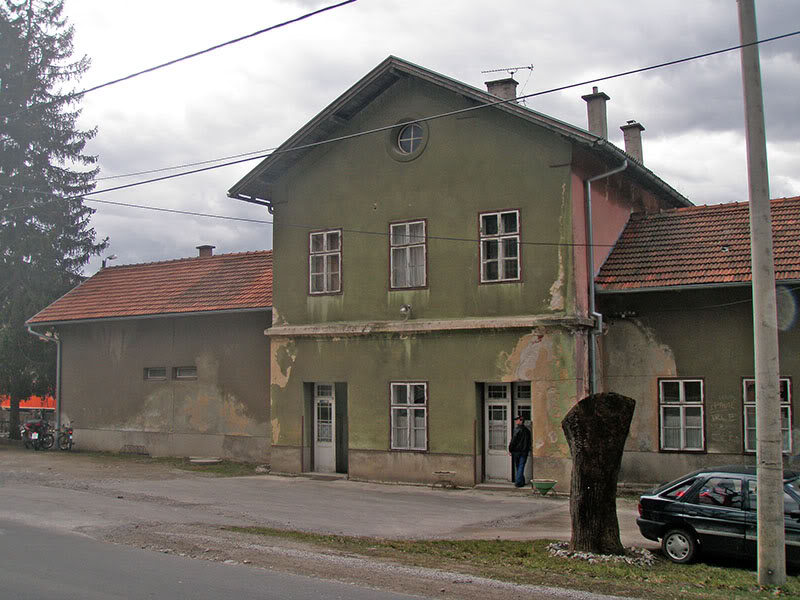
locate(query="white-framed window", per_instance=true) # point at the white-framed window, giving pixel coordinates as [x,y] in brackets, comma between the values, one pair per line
[325,261]
[681,410]
[500,246]
[409,415]
[410,138]
[749,401]
[184,373]
[408,254]
[155,373]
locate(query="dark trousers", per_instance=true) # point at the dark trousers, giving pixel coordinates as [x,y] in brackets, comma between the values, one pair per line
[518,460]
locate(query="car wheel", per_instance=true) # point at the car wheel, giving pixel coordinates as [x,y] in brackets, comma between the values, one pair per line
[679,545]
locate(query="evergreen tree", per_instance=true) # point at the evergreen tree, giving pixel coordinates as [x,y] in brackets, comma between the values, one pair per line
[45,237]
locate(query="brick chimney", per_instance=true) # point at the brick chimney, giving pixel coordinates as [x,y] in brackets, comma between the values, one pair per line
[503,88]
[206,250]
[632,132]
[596,106]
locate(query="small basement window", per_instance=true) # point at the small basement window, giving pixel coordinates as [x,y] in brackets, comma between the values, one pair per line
[184,373]
[155,373]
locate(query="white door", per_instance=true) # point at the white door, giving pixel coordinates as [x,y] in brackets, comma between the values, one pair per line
[497,431]
[324,428]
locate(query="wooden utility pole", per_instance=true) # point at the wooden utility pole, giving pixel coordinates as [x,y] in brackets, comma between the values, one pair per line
[769,457]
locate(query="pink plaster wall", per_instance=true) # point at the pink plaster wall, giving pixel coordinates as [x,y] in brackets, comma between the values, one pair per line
[613,201]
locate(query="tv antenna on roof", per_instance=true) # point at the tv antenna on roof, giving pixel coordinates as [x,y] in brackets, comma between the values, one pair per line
[511,71]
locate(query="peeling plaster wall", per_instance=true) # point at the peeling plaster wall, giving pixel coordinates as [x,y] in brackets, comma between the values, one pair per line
[369,364]
[224,412]
[704,334]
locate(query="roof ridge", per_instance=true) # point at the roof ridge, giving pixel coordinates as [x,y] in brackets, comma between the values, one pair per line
[189,259]
[702,207]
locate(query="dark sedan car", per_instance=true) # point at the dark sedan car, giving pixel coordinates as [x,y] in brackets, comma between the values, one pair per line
[714,511]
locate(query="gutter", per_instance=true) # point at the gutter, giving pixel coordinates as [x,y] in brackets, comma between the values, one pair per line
[197,313]
[598,318]
[57,340]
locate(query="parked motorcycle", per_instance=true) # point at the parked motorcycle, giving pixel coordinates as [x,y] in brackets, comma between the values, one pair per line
[37,434]
[65,438]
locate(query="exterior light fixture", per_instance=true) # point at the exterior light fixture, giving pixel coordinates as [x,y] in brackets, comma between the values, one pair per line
[405,311]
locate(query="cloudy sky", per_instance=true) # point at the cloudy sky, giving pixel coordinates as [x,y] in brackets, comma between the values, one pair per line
[253,95]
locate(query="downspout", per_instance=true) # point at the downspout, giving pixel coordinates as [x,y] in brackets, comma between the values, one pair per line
[55,339]
[598,318]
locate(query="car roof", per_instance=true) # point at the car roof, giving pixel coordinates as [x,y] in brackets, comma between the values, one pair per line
[738,470]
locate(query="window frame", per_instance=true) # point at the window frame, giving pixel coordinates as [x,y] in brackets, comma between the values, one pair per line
[682,404]
[786,433]
[178,377]
[500,237]
[148,376]
[407,407]
[325,252]
[408,246]
[415,140]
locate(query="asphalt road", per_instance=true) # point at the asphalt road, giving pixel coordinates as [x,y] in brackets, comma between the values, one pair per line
[38,564]
[60,513]
[71,491]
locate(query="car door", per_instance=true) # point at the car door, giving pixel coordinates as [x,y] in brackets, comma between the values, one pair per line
[791,505]
[791,514]
[716,512]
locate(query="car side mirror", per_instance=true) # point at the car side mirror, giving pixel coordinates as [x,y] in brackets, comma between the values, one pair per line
[795,514]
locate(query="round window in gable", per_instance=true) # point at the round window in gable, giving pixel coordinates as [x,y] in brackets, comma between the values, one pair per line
[410,138]
[407,139]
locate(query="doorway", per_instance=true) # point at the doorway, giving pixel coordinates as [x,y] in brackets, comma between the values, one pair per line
[502,402]
[324,428]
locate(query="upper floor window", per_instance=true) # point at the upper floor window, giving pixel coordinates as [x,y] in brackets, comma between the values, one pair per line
[409,416]
[500,246]
[408,254]
[410,138]
[325,261]
[681,406]
[749,397]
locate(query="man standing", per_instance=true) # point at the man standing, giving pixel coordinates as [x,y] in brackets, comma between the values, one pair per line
[519,447]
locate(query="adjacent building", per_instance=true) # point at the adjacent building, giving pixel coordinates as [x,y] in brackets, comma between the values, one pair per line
[676,296]
[167,358]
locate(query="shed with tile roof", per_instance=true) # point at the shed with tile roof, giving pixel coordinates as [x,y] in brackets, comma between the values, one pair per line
[167,358]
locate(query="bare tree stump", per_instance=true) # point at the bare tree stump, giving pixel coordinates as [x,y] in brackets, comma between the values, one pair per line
[596,429]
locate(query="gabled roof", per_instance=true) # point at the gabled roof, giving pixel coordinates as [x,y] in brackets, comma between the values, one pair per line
[256,186]
[221,283]
[701,245]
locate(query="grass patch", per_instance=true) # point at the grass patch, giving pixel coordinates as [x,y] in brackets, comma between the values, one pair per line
[530,562]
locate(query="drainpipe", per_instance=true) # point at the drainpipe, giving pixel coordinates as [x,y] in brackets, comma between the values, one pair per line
[55,339]
[598,318]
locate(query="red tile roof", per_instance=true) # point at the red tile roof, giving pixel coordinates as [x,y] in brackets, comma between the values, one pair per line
[202,284]
[699,245]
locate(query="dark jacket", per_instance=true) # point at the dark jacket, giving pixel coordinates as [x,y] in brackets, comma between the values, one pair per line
[521,440]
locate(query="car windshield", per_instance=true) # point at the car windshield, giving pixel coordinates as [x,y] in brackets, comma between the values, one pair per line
[688,479]
[793,485]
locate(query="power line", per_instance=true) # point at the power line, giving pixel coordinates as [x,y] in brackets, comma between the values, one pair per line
[187,57]
[388,127]
[433,117]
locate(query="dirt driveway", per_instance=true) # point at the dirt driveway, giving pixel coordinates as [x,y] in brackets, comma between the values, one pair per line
[174,511]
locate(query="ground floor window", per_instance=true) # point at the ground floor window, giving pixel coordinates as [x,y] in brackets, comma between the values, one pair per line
[681,412]
[749,400]
[409,415]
